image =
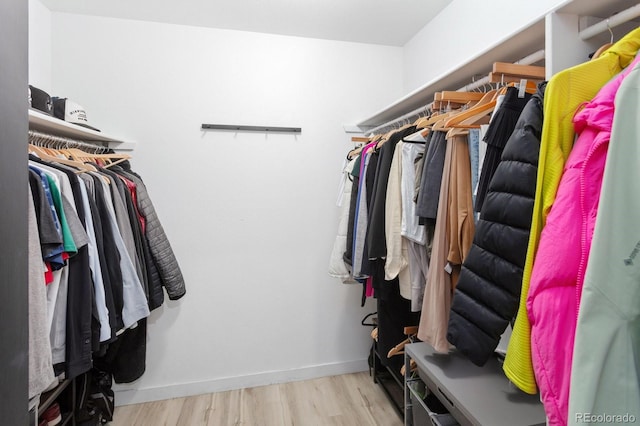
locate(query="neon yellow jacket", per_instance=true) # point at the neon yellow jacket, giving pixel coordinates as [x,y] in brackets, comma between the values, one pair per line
[563,95]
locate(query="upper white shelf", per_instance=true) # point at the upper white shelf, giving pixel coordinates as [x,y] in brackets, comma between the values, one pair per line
[525,42]
[46,123]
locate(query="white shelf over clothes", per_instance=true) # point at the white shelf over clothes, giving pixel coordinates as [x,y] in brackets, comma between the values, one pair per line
[512,49]
[48,124]
[557,34]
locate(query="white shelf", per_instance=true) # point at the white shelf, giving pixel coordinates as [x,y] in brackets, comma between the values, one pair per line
[598,9]
[46,123]
[529,39]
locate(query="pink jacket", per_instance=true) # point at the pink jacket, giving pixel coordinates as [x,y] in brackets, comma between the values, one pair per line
[561,261]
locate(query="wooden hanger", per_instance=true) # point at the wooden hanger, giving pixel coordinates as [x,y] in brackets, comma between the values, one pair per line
[473,112]
[470,123]
[109,159]
[435,118]
[484,107]
[44,155]
[601,50]
[478,108]
[460,97]
[412,367]
[528,72]
[354,152]
[391,133]
[399,348]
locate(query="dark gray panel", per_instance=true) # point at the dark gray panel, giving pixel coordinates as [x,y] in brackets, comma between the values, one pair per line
[13,212]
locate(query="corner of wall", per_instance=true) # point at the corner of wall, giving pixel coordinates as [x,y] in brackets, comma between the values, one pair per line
[40,46]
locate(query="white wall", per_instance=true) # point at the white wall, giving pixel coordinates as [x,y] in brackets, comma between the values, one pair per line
[251,217]
[40,46]
[462,31]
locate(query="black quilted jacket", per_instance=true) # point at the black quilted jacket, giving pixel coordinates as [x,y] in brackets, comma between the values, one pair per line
[487,295]
[162,265]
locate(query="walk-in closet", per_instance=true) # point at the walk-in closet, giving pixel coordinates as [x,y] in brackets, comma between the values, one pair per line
[316,213]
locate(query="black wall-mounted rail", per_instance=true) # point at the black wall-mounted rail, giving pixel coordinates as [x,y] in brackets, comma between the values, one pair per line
[274,129]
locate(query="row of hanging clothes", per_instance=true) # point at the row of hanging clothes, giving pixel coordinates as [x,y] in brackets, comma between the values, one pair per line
[515,210]
[411,195]
[99,260]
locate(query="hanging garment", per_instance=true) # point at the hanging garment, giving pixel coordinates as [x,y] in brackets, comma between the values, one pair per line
[606,367]
[375,231]
[437,294]
[554,292]
[419,166]
[460,223]
[163,256]
[418,270]
[347,256]
[365,204]
[486,297]
[361,214]
[129,192]
[502,124]
[411,227]
[106,250]
[337,266]
[71,330]
[565,92]
[474,157]
[432,174]
[40,361]
[79,317]
[412,230]
[102,312]
[394,314]
[97,249]
[125,225]
[50,237]
[135,305]
[396,261]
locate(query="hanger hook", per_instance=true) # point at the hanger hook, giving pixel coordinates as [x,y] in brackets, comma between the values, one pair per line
[610,31]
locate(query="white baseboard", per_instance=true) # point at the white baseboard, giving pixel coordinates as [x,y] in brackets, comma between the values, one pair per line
[136,396]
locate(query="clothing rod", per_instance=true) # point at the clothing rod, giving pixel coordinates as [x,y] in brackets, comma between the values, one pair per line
[475,85]
[531,59]
[527,60]
[612,21]
[37,137]
[414,113]
[251,128]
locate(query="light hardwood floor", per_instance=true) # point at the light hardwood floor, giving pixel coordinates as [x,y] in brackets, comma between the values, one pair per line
[347,400]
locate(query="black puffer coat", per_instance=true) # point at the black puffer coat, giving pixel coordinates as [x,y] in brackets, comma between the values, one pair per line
[488,292]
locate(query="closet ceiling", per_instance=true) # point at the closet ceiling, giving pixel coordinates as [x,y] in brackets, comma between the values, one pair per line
[387,22]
